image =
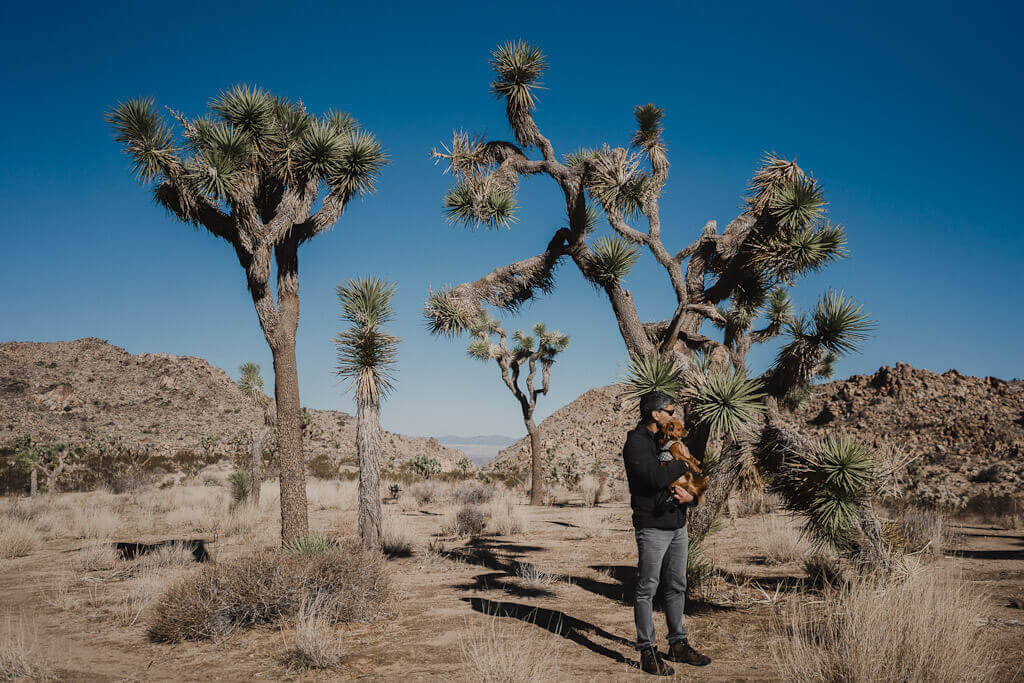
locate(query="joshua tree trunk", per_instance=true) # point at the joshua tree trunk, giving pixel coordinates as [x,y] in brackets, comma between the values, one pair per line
[51,482]
[256,465]
[294,518]
[536,486]
[33,482]
[368,451]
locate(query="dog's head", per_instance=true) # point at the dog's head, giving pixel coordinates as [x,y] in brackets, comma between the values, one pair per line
[672,430]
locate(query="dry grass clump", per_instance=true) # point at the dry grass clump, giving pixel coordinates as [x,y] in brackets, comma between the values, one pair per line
[17,538]
[924,530]
[747,502]
[262,588]
[472,493]
[824,570]
[20,657]
[592,524]
[425,492]
[331,495]
[315,643]
[592,489]
[95,557]
[555,494]
[504,651]
[781,542]
[532,576]
[922,629]
[58,592]
[468,520]
[505,517]
[396,539]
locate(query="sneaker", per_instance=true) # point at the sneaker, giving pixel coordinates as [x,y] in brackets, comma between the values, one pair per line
[652,663]
[682,652]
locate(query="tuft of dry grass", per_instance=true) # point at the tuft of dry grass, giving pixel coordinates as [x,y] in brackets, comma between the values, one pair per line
[923,628]
[425,492]
[17,538]
[927,531]
[471,493]
[503,651]
[95,557]
[468,520]
[532,576]
[505,517]
[269,585]
[315,643]
[592,489]
[59,593]
[20,656]
[781,542]
[396,540]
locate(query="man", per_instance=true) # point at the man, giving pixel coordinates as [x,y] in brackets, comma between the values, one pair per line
[659,518]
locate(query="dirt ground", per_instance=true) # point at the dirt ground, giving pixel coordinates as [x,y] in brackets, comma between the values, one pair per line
[585,613]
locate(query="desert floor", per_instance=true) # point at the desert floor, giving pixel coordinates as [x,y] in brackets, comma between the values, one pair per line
[576,609]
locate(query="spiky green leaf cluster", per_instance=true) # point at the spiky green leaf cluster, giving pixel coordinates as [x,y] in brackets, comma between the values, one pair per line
[830,485]
[251,380]
[725,399]
[614,257]
[617,182]
[366,353]
[652,371]
[478,201]
[518,67]
[444,313]
[578,156]
[250,141]
[840,324]
[648,125]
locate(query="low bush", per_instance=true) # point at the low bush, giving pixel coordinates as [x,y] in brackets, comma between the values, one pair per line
[17,538]
[396,539]
[592,489]
[315,643]
[472,493]
[425,492]
[871,630]
[500,650]
[505,518]
[348,583]
[468,520]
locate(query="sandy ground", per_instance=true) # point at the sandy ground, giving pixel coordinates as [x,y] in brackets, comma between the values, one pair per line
[585,617]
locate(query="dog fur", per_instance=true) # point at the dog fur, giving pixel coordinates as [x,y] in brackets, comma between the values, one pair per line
[693,481]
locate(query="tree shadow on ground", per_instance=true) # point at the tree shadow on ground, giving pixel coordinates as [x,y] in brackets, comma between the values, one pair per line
[558,623]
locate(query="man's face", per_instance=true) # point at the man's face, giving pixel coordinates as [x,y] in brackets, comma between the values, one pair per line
[663,416]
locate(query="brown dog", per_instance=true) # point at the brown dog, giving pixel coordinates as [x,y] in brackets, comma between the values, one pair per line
[669,439]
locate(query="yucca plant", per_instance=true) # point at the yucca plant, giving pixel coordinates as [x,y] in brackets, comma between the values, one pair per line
[490,341]
[736,278]
[240,484]
[251,383]
[367,356]
[265,175]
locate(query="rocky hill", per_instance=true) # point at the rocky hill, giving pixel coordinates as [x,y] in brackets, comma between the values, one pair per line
[968,431]
[77,391]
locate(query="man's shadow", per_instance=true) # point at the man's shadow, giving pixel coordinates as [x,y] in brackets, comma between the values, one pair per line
[559,623]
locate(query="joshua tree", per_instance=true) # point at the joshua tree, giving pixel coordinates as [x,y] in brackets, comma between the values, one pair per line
[549,343]
[251,172]
[732,278]
[51,460]
[251,383]
[366,358]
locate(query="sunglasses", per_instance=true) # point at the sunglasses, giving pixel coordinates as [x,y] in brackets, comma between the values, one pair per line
[670,412]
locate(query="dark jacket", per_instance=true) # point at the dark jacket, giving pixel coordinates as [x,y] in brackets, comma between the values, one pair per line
[649,479]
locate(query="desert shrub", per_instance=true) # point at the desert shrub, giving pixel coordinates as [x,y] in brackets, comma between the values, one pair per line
[533,576]
[592,489]
[17,538]
[396,539]
[472,493]
[315,643]
[425,492]
[503,650]
[20,657]
[321,467]
[349,584]
[748,502]
[922,530]
[191,462]
[824,570]
[565,472]
[870,630]
[240,482]
[781,542]
[468,520]
[987,475]
[309,545]
[505,519]
[556,494]
[699,569]
[95,557]
[993,507]
[424,466]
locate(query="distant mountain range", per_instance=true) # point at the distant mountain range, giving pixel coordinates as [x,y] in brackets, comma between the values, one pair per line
[480,449]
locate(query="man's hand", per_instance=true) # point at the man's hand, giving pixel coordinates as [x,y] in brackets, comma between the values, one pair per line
[681,494]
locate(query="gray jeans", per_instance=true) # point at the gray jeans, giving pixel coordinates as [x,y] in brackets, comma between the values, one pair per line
[661,557]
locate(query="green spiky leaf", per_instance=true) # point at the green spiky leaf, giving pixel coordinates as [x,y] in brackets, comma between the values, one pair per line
[798,204]
[614,257]
[840,325]
[652,372]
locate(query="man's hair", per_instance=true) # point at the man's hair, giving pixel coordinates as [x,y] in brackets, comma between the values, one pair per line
[651,401]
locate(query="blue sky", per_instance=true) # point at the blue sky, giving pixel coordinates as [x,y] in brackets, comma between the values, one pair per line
[907,113]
